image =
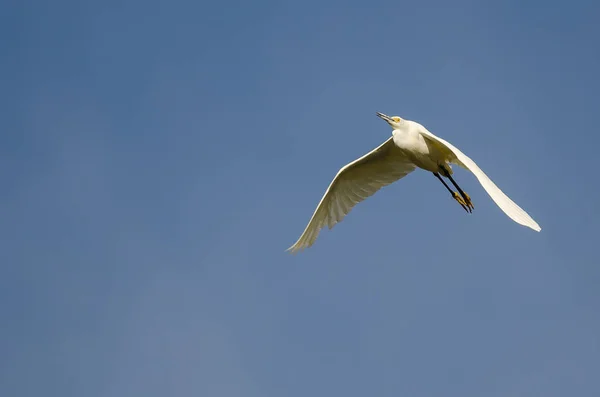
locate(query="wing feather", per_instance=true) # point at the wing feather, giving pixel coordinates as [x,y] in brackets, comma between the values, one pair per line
[509,207]
[352,184]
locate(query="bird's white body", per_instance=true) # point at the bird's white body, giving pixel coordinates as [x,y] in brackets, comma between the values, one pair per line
[411,146]
[420,150]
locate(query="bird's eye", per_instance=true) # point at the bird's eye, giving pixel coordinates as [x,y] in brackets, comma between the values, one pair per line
[396,119]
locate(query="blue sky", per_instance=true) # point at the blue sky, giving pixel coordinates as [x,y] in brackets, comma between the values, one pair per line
[157,158]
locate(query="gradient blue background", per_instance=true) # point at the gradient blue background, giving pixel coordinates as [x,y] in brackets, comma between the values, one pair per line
[157,158]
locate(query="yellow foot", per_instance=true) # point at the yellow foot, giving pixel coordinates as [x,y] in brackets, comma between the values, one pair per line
[469,203]
[461,201]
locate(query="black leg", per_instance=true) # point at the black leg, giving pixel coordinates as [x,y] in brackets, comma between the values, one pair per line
[453,193]
[464,195]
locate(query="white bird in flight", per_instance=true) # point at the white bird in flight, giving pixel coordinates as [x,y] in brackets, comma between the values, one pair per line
[410,146]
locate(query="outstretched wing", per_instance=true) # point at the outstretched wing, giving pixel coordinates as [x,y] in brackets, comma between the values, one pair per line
[509,207]
[354,183]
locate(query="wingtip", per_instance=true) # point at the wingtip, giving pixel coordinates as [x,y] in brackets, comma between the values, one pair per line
[292,249]
[534,227]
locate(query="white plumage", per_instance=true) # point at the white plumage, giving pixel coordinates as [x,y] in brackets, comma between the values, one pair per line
[411,146]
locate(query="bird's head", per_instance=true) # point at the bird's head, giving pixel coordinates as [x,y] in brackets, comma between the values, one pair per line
[394,121]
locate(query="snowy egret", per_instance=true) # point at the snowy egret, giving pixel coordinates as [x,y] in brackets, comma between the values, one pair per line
[410,146]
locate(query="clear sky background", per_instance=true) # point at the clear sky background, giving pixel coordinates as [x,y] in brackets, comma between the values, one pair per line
[157,158]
